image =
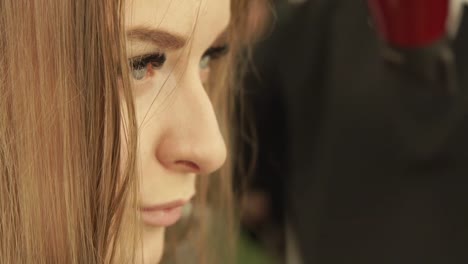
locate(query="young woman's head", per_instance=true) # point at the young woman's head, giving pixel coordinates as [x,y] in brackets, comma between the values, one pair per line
[112,116]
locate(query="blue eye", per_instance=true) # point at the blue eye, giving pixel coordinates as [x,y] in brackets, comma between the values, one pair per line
[213,54]
[145,65]
[205,62]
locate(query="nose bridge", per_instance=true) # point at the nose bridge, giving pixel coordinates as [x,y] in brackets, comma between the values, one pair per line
[192,142]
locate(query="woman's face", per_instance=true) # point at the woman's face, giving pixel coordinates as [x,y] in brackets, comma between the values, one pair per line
[169,46]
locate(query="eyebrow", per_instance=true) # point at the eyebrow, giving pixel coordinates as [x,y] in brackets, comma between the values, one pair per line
[160,38]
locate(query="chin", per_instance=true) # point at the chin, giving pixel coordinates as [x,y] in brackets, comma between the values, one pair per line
[153,246]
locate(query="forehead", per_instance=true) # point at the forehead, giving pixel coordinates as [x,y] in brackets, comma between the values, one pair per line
[177,16]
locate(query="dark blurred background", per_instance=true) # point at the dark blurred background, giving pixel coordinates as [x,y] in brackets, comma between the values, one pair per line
[361,133]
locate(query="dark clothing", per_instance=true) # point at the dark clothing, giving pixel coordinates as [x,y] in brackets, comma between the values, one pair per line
[377,161]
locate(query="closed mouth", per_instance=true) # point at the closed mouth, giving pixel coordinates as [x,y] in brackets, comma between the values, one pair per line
[163,215]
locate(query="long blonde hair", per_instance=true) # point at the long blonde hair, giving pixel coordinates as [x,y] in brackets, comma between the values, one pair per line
[63,75]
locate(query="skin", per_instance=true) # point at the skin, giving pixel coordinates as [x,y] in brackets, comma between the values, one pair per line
[179,137]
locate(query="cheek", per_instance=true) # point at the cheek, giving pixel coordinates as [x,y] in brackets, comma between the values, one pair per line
[123,139]
[153,96]
[123,149]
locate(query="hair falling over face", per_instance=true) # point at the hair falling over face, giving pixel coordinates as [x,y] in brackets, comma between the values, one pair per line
[63,187]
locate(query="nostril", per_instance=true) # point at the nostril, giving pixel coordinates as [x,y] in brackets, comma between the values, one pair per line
[188,164]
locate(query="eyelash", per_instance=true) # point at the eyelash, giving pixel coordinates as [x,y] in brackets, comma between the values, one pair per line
[213,53]
[141,66]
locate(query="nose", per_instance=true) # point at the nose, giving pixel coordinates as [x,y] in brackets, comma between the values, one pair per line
[192,142]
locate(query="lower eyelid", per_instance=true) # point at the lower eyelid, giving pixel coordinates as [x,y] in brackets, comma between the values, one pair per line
[142,87]
[149,71]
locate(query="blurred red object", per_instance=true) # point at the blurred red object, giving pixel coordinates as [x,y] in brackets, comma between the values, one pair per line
[410,23]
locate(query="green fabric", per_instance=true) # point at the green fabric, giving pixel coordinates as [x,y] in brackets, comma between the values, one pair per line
[251,253]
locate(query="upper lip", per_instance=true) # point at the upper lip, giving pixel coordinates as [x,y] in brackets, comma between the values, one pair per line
[165,206]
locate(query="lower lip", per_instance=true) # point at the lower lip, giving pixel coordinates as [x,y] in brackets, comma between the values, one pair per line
[162,218]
